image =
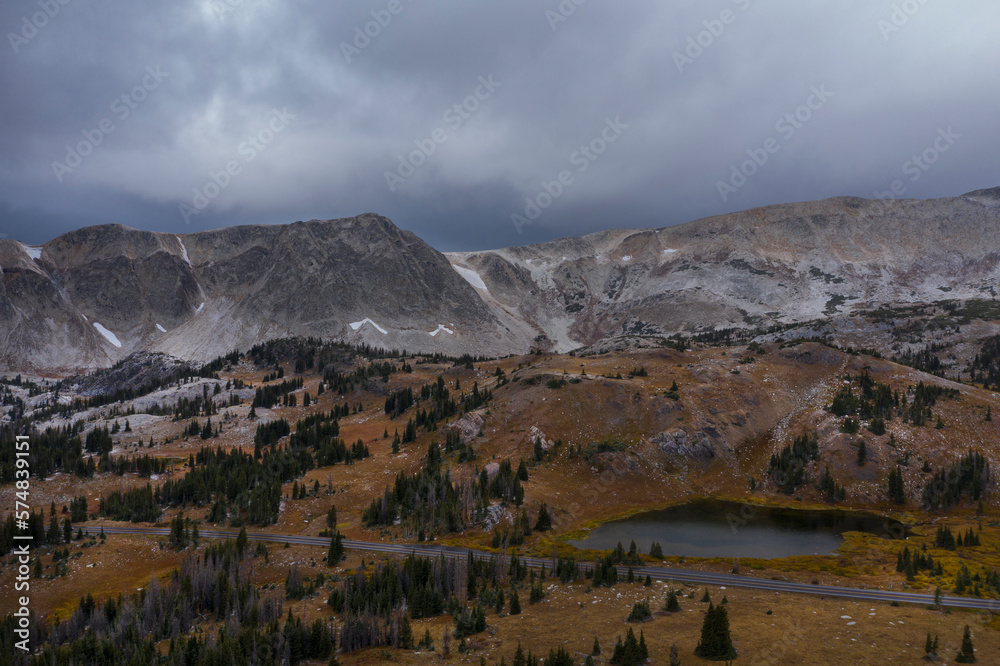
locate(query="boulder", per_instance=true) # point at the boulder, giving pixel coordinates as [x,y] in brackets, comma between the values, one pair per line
[678,443]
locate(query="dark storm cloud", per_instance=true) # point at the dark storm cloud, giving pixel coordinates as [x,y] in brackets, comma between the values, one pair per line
[207,113]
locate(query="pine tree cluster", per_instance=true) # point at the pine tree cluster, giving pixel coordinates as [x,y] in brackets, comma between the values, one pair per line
[716,643]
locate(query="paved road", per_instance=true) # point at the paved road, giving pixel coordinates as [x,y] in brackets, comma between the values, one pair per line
[657,573]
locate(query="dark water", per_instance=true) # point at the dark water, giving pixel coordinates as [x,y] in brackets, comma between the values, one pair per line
[713,528]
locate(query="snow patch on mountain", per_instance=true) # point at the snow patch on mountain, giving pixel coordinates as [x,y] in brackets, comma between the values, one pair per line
[108,335]
[184,251]
[471,276]
[161,329]
[358,324]
[33,251]
[441,327]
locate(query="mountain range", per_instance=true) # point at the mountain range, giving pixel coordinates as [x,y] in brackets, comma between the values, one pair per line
[93,296]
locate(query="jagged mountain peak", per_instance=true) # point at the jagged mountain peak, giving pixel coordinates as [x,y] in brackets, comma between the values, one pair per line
[103,292]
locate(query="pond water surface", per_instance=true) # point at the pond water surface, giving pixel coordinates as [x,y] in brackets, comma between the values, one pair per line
[716,528]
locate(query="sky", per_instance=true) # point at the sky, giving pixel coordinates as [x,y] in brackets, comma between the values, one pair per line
[479,124]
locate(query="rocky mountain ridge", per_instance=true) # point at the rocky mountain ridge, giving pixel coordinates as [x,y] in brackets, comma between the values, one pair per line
[777,264]
[93,296]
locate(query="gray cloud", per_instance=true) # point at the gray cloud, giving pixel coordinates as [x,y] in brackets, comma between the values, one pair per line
[899,71]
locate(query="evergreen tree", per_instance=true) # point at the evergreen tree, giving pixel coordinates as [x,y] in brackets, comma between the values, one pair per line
[406,634]
[522,471]
[896,490]
[515,603]
[54,534]
[242,540]
[596,651]
[336,552]
[716,643]
[966,654]
[544,522]
[862,453]
[631,652]
[672,605]
[640,612]
[178,532]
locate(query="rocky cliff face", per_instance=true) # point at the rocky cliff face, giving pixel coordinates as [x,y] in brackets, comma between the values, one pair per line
[784,263]
[91,297]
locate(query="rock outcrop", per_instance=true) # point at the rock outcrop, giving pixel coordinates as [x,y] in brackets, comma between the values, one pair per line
[679,443]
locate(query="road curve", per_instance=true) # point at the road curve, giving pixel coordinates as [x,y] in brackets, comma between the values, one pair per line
[657,573]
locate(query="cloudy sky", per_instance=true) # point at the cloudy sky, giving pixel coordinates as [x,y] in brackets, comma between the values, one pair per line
[484,123]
